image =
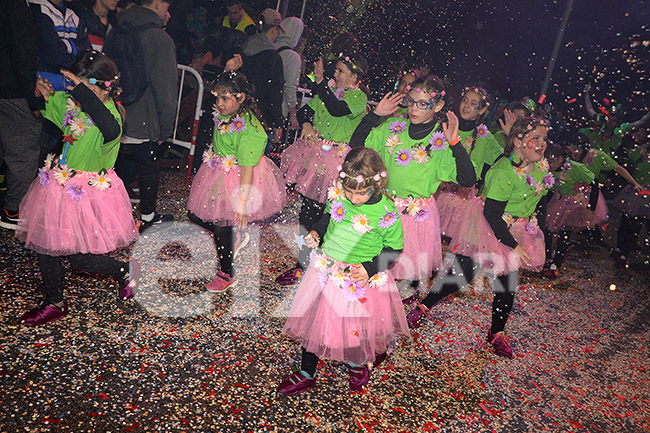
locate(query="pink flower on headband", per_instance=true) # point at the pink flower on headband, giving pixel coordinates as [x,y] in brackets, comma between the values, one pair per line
[418,90]
[443,93]
[107,83]
[359,179]
[408,87]
[342,175]
[339,167]
[433,94]
[347,59]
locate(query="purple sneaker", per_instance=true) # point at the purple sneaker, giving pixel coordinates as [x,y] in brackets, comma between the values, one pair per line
[416,315]
[126,291]
[359,377]
[296,383]
[501,344]
[290,277]
[44,313]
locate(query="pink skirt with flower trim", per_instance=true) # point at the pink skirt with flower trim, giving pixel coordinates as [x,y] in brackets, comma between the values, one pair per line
[477,240]
[422,253]
[313,168]
[335,320]
[570,212]
[452,201]
[215,193]
[632,203]
[64,219]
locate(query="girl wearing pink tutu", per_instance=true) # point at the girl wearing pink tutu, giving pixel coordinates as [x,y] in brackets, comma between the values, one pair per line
[483,150]
[634,200]
[77,206]
[420,153]
[576,205]
[501,233]
[236,184]
[328,122]
[347,307]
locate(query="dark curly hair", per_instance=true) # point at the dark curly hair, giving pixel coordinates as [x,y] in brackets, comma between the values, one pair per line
[234,83]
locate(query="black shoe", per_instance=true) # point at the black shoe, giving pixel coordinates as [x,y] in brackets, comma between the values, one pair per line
[157,221]
[9,219]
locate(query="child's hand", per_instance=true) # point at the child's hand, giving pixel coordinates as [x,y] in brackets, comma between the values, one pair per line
[450,128]
[72,78]
[44,87]
[388,104]
[312,239]
[241,214]
[522,255]
[510,119]
[359,273]
[308,133]
[319,71]
[234,64]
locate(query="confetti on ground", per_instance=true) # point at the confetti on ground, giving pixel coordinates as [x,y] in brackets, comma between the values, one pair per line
[177,358]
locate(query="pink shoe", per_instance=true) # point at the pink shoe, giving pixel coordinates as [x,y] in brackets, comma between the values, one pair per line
[126,292]
[220,283]
[416,315]
[501,344]
[296,383]
[44,313]
[359,377]
[290,277]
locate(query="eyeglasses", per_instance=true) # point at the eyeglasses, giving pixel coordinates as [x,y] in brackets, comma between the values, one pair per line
[422,105]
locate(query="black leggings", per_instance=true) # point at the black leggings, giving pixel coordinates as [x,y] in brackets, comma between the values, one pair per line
[52,271]
[628,232]
[504,289]
[223,239]
[309,362]
[310,212]
[561,246]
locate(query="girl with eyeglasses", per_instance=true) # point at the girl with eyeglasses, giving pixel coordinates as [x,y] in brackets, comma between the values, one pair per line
[420,153]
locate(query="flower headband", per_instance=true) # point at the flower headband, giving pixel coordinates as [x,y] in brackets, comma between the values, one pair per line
[352,64]
[106,84]
[360,179]
[480,91]
[534,123]
[433,94]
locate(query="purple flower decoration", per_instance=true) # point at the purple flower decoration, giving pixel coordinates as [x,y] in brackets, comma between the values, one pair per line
[482,130]
[353,291]
[437,141]
[75,191]
[549,180]
[397,127]
[421,215]
[68,117]
[340,93]
[43,177]
[403,157]
[323,278]
[337,211]
[214,163]
[388,219]
[566,166]
[530,228]
[238,124]
[217,121]
[89,120]
[530,181]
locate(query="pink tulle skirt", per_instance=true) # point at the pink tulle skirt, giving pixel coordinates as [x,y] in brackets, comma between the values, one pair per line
[452,202]
[334,319]
[313,168]
[215,191]
[477,240]
[570,212]
[422,252]
[633,204]
[85,213]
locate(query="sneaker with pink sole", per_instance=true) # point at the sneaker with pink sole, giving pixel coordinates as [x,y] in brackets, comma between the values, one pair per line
[501,344]
[297,383]
[44,313]
[220,283]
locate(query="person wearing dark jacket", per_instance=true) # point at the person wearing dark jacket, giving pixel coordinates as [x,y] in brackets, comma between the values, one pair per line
[20,120]
[150,119]
[263,68]
[98,21]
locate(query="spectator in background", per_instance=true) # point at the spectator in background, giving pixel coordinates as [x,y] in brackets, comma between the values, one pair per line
[262,65]
[291,62]
[20,120]
[238,19]
[150,119]
[98,20]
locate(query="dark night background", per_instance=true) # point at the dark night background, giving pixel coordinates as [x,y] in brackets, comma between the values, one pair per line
[503,45]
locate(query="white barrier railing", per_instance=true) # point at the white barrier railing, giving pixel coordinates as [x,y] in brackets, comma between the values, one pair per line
[191,145]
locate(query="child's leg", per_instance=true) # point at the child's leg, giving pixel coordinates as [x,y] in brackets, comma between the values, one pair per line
[309,362]
[52,273]
[441,289]
[505,287]
[223,238]
[303,380]
[548,241]
[100,264]
[628,232]
[310,213]
[562,247]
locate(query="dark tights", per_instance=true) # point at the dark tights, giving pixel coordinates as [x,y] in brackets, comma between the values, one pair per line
[309,362]
[561,246]
[52,271]
[461,274]
[310,212]
[223,240]
[628,232]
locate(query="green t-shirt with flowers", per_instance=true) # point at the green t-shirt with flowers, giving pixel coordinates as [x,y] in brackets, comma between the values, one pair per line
[521,188]
[87,152]
[641,160]
[486,150]
[339,129]
[242,136]
[571,174]
[598,162]
[412,170]
[357,234]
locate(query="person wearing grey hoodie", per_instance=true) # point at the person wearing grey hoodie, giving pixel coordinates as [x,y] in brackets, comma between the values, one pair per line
[262,65]
[291,63]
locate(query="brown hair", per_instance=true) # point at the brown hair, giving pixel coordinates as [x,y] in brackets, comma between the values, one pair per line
[521,129]
[367,164]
